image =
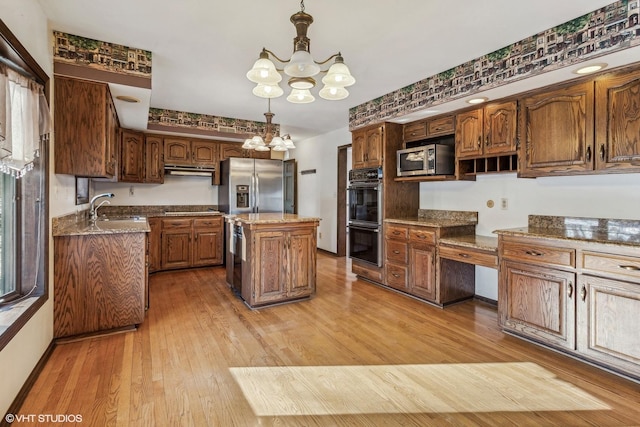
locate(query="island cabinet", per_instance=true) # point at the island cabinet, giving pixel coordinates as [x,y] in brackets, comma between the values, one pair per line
[154,242]
[100,282]
[86,128]
[278,261]
[577,296]
[191,242]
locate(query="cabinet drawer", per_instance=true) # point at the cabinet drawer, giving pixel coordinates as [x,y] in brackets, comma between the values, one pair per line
[368,272]
[609,264]
[207,223]
[469,256]
[396,251]
[175,223]
[422,235]
[396,232]
[441,126]
[396,276]
[414,131]
[540,254]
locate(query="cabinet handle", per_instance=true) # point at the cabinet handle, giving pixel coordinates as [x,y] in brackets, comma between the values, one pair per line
[486,141]
[421,236]
[534,253]
[588,154]
[396,252]
[396,233]
[570,289]
[413,134]
[602,152]
[479,141]
[396,275]
[463,255]
[630,267]
[583,293]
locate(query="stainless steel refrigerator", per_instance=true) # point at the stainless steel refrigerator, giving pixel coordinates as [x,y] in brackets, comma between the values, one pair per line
[250,186]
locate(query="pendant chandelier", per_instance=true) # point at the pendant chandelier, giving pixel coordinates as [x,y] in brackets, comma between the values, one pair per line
[269,142]
[301,69]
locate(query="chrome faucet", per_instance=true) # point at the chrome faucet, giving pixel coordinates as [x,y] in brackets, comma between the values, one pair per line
[93,210]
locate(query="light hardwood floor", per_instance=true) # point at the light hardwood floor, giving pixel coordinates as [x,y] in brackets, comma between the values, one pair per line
[203,358]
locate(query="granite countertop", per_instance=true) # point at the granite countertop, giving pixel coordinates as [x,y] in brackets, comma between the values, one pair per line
[474,241]
[438,218]
[597,230]
[270,218]
[114,225]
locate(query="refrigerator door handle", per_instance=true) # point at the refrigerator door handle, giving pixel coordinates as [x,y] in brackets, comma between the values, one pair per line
[257,193]
[252,193]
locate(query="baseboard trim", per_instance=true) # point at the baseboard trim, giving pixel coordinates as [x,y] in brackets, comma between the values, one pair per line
[485,299]
[326,252]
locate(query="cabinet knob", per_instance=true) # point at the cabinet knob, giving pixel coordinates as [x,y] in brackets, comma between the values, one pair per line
[601,151]
[479,141]
[583,293]
[570,289]
[463,255]
[588,154]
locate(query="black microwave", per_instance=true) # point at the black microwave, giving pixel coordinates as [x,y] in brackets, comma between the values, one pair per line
[432,159]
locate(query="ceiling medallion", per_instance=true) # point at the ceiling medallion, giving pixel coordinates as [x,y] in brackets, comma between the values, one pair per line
[301,68]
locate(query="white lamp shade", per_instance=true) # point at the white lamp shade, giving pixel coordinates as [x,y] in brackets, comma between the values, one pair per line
[333,93]
[301,65]
[276,142]
[248,144]
[300,96]
[338,75]
[280,148]
[288,143]
[264,71]
[267,91]
[257,142]
[262,148]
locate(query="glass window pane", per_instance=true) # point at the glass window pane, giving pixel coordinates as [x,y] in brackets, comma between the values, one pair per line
[8,239]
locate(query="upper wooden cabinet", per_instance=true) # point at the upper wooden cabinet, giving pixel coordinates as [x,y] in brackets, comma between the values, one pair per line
[367,147]
[491,130]
[184,152]
[154,160]
[557,128]
[132,158]
[428,128]
[617,140]
[86,128]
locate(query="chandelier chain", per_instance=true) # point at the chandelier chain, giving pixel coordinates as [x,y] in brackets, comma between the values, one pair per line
[302,5]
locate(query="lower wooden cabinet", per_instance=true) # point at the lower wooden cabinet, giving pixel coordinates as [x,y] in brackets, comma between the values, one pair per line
[584,299]
[100,282]
[154,241]
[280,262]
[191,242]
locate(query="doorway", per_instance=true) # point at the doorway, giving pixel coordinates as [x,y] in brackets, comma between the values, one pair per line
[344,165]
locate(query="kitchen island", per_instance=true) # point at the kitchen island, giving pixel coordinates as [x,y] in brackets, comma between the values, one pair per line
[277,257]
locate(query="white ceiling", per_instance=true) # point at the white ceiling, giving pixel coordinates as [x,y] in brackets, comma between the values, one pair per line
[202,49]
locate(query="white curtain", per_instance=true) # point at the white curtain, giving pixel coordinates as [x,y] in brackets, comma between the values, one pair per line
[24,120]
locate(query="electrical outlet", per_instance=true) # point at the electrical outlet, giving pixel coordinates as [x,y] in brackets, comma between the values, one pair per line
[320,235]
[131,191]
[504,204]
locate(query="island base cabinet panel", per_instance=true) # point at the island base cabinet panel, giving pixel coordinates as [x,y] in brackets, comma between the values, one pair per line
[269,267]
[302,260]
[99,282]
[607,315]
[540,304]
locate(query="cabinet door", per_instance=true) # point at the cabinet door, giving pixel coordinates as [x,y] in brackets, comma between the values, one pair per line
[207,247]
[608,322]
[468,135]
[155,254]
[154,160]
[557,132]
[205,153]
[229,150]
[422,279]
[540,303]
[373,154]
[358,142]
[176,248]
[132,157]
[268,259]
[618,123]
[177,151]
[301,253]
[111,147]
[500,128]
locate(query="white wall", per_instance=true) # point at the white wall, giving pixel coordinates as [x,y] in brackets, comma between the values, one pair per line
[317,193]
[28,23]
[176,190]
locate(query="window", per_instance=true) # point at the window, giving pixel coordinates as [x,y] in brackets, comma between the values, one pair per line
[8,287]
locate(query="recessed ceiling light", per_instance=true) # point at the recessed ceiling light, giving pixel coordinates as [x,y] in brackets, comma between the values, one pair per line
[477,100]
[127,98]
[588,69]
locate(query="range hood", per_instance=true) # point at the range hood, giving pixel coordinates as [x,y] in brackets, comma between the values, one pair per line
[182,170]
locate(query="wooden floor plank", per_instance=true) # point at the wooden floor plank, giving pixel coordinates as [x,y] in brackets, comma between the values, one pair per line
[176,368]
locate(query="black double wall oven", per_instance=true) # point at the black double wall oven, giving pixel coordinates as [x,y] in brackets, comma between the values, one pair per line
[365,215]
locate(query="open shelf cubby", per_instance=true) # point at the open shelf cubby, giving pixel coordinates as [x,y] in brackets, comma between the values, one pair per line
[494,164]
